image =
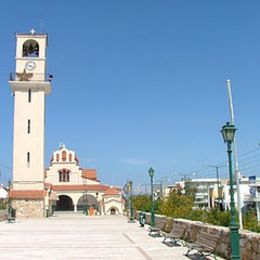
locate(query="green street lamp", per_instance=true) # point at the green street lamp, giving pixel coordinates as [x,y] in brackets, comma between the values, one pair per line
[151,174]
[228,132]
[9,199]
[131,219]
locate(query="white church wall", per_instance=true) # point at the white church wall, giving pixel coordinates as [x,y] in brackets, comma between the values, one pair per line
[113,201]
[53,174]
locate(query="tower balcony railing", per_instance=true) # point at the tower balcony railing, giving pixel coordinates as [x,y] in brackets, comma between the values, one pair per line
[29,76]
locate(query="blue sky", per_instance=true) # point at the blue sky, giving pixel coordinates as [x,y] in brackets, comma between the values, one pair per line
[141,83]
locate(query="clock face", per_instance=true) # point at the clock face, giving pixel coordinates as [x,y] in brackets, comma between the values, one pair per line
[30,65]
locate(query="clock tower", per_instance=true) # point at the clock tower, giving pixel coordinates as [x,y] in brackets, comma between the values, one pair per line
[30,84]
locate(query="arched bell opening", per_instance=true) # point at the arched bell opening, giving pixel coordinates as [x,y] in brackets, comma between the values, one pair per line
[31,48]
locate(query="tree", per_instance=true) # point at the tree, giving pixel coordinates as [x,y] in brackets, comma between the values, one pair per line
[142,202]
[176,205]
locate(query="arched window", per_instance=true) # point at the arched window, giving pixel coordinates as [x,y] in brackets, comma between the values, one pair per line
[64,175]
[64,156]
[60,176]
[31,48]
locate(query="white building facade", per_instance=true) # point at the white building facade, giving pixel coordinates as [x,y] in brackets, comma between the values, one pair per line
[79,189]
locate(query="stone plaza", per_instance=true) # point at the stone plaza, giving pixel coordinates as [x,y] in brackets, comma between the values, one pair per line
[76,236]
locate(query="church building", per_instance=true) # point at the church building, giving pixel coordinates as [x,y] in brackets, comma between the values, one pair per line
[79,189]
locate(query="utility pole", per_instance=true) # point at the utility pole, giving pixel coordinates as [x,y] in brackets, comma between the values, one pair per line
[237,173]
[218,180]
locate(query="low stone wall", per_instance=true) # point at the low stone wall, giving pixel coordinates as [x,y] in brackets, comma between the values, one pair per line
[28,208]
[3,215]
[250,245]
[249,241]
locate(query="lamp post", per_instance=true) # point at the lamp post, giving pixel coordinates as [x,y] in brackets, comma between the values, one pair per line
[9,200]
[97,203]
[217,175]
[151,174]
[228,132]
[131,219]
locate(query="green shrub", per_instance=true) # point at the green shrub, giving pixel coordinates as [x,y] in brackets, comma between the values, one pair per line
[198,215]
[176,205]
[250,221]
[142,203]
[213,216]
[2,206]
[218,217]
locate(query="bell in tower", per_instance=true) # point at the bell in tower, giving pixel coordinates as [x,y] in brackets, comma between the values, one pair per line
[31,48]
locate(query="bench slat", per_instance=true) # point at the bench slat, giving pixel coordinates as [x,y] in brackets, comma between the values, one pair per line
[176,234]
[205,244]
[155,231]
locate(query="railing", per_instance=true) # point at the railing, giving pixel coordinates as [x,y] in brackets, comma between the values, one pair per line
[24,76]
[201,201]
[201,194]
[252,198]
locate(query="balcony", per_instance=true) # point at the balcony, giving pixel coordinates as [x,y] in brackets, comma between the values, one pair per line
[200,202]
[251,198]
[35,81]
[201,195]
[24,76]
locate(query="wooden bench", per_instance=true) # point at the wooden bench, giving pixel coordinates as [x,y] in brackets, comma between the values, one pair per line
[175,235]
[156,231]
[205,244]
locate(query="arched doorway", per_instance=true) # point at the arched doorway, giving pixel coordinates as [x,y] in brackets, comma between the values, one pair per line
[88,201]
[64,203]
[113,211]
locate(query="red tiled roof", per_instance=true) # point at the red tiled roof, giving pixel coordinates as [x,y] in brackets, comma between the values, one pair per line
[27,194]
[95,187]
[111,191]
[89,174]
